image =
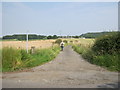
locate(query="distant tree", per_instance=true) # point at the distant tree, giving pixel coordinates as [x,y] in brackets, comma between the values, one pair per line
[95,35]
[33,36]
[75,36]
[42,37]
[58,41]
[55,37]
[8,37]
[49,37]
[23,36]
[52,37]
[20,36]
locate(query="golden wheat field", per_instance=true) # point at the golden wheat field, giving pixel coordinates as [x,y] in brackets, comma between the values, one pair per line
[85,42]
[43,43]
[22,44]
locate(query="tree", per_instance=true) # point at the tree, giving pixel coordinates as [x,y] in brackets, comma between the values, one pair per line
[55,37]
[49,37]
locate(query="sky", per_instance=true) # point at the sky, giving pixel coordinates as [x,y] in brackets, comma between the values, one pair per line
[58,18]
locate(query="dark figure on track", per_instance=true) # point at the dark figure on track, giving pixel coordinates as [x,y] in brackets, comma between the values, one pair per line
[62,45]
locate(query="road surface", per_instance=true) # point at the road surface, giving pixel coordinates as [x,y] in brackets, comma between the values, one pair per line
[67,70]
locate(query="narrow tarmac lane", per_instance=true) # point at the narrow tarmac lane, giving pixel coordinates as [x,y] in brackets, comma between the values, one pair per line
[67,70]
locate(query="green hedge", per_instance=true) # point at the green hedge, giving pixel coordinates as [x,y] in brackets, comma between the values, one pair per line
[107,44]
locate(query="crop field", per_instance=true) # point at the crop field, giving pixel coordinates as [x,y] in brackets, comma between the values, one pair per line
[81,41]
[22,44]
[43,43]
[47,48]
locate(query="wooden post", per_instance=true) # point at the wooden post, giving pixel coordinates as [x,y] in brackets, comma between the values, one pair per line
[32,49]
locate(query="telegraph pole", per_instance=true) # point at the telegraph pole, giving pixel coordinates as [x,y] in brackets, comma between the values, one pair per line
[27,41]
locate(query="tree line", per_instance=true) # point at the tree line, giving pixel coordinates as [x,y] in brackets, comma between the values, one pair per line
[30,37]
[34,36]
[96,35]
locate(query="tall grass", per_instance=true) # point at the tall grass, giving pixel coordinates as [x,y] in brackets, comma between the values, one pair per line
[16,59]
[42,56]
[11,59]
[109,61]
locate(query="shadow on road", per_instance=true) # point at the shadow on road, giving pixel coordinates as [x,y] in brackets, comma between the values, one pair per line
[110,85]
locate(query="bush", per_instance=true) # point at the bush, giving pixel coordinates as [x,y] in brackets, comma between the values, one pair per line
[71,41]
[58,41]
[65,41]
[107,44]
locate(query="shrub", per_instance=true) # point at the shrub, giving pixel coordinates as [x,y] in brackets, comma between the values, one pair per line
[107,44]
[58,41]
[65,41]
[71,41]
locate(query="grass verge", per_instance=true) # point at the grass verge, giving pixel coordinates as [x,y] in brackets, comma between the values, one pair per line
[16,59]
[109,61]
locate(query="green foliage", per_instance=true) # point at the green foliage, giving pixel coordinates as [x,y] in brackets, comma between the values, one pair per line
[65,41]
[78,49]
[20,37]
[71,41]
[55,36]
[105,52]
[14,59]
[95,35]
[49,37]
[52,37]
[10,59]
[75,36]
[8,37]
[58,41]
[23,37]
[42,56]
[109,61]
[107,44]
[24,55]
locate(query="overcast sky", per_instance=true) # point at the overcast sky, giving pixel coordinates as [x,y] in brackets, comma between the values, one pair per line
[65,18]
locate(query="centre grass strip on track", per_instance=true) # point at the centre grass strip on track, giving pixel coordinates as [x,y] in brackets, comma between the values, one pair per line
[16,59]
